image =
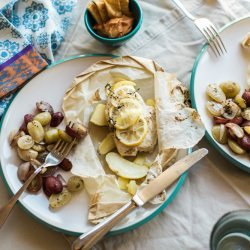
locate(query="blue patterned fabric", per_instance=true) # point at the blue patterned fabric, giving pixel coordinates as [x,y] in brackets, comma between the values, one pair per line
[63,6]
[35,17]
[40,23]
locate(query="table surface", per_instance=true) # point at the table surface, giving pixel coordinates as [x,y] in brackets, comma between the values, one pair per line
[213,187]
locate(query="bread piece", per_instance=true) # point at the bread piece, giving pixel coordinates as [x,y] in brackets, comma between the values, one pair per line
[102,10]
[113,8]
[125,8]
[92,8]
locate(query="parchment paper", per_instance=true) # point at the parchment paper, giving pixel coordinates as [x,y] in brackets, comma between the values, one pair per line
[88,88]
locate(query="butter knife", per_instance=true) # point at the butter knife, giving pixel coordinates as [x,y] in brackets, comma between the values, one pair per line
[156,186]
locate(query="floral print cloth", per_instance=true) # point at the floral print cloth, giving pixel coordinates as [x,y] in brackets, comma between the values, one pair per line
[31,31]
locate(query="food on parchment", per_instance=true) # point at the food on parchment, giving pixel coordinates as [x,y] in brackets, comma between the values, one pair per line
[113,18]
[231,116]
[125,168]
[34,140]
[142,105]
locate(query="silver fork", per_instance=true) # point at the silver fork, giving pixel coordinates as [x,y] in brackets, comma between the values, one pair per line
[57,154]
[208,30]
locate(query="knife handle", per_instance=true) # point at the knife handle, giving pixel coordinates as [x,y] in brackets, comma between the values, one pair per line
[166,178]
[89,239]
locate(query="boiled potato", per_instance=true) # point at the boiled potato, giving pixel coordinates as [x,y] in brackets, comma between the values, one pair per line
[51,136]
[27,154]
[150,102]
[235,147]
[59,200]
[44,118]
[247,129]
[216,93]
[240,101]
[125,168]
[64,136]
[214,108]
[219,133]
[230,89]
[107,144]
[132,187]
[122,182]
[36,131]
[98,117]
[140,159]
[75,184]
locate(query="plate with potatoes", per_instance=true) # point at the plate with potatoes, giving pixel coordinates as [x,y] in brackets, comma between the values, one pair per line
[116,157]
[220,91]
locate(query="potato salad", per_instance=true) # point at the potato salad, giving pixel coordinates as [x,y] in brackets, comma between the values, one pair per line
[33,141]
[231,115]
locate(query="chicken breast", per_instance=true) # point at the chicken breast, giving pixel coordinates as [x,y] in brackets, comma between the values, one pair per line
[150,140]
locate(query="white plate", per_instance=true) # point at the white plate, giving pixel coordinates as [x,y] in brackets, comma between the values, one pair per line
[209,69]
[50,86]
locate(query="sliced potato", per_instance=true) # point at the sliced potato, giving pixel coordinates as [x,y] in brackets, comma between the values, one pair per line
[98,117]
[64,136]
[36,131]
[122,182]
[140,159]
[27,154]
[150,102]
[132,187]
[107,144]
[235,147]
[125,168]
[59,200]
[247,129]
[215,92]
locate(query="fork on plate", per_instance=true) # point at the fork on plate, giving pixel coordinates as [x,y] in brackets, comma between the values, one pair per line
[57,154]
[208,30]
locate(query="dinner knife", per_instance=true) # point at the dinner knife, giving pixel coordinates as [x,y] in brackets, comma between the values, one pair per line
[142,196]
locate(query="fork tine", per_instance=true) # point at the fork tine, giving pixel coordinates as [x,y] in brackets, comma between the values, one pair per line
[208,40]
[217,38]
[213,28]
[68,147]
[62,145]
[212,41]
[57,145]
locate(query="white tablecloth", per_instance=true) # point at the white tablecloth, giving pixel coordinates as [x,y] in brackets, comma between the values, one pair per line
[213,187]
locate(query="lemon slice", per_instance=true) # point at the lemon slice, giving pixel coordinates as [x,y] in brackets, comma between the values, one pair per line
[134,135]
[124,91]
[125,114]
[122,83]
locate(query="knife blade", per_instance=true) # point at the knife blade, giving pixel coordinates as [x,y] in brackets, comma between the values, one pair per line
[166,178]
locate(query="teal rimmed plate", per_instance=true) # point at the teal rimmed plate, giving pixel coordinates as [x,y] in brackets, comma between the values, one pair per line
[209,69]
[50,85]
